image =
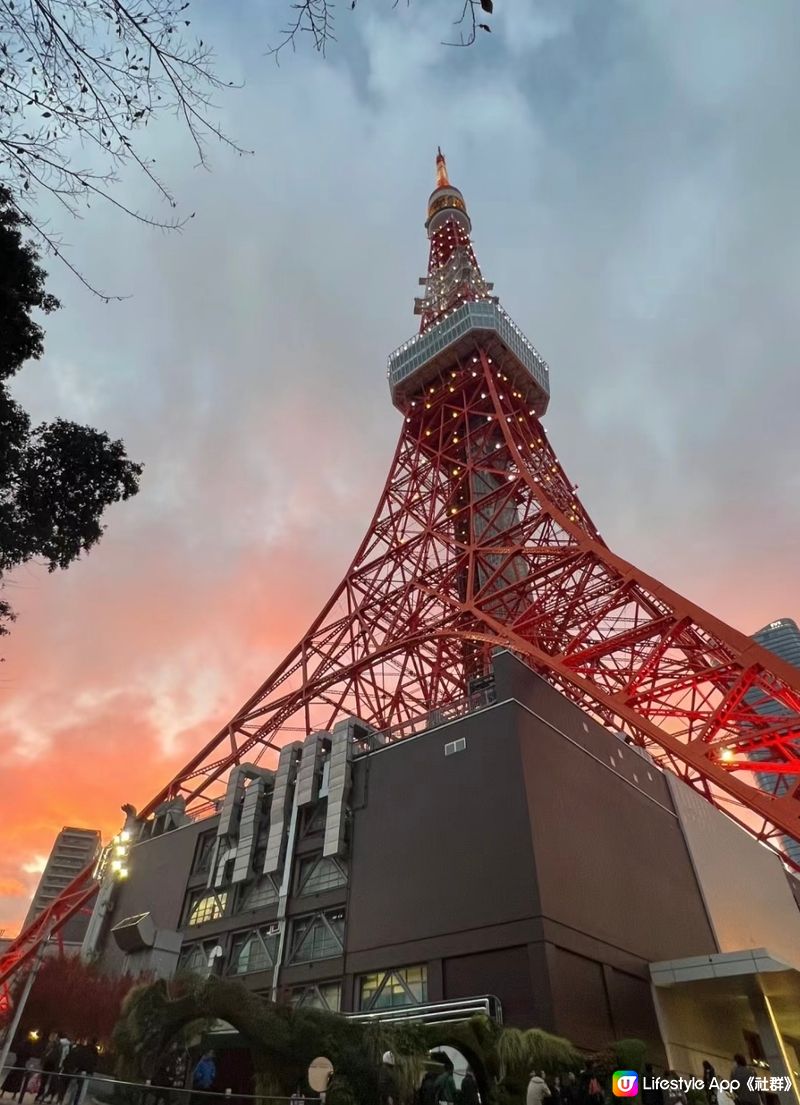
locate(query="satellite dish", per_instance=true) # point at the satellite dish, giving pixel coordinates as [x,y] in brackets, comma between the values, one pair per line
[319,1074]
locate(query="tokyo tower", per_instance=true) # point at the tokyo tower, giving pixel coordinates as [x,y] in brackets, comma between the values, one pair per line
[479,541]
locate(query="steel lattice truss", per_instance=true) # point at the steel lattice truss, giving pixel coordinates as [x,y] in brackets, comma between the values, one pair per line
[479,541]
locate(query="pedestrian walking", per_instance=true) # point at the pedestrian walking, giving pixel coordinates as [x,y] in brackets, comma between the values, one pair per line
[538,1090]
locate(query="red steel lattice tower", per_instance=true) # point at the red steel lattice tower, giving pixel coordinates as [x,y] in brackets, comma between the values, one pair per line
[479,541]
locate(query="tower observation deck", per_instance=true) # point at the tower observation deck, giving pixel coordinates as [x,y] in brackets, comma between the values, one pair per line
[460,315]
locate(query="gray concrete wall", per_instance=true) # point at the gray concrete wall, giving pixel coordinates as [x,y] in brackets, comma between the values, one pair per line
[747,894]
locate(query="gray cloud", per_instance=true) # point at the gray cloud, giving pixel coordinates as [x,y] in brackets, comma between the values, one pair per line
[631,170]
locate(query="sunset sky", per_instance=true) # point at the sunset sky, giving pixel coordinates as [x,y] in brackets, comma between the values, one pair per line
[632,171]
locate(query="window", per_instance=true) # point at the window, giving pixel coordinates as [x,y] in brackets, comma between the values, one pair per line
[205,905]
[320,936]
[258,894]
[202,854]
[319,873]
[314,819]
[196,957]
[255,950]
[390,989]
[324,995]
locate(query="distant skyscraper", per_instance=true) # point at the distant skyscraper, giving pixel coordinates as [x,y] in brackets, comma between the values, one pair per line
[782,638]
[72,851]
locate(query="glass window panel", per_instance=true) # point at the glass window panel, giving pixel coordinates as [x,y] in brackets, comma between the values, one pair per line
[318,938]
[202,859]
[320,873]
[325,995]
[391,989]
[253,951]
[206,906]
[259,894]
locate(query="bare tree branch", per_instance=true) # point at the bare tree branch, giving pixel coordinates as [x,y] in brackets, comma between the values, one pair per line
[316,18]
[89,75]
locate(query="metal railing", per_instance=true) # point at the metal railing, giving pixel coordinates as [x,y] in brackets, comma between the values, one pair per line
[417,351]
[83,1089]
[440,1012]
[431,719]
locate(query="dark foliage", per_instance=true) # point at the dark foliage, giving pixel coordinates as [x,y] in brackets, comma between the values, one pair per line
[74,997]
[21,291]
[57,479]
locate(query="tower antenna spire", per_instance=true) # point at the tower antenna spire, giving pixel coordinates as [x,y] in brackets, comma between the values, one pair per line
[442,180]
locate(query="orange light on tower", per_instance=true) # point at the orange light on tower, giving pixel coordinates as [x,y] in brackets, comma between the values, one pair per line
[441,170]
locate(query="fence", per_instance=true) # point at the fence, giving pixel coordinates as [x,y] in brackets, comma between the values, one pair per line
[80,1089]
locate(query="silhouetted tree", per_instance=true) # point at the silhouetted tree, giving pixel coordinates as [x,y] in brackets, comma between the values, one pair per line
[75,997]
[56,479]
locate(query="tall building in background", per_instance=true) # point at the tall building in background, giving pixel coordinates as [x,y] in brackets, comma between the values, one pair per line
[782,638]
[73,850]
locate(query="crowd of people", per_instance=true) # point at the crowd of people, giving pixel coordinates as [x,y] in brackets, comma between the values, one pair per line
[56,1070]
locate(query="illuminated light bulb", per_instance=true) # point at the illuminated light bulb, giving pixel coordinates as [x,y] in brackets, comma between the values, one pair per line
[455,439]
[726,755]
[427,433]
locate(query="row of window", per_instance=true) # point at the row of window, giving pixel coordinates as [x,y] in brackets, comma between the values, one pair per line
[318,936]
[312,821]
[257,951]
[315,874]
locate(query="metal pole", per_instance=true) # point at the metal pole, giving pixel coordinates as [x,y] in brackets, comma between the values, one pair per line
[11,1031]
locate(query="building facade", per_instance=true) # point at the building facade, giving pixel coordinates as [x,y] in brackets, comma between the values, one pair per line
[73,850]
[781,637]
[516,849]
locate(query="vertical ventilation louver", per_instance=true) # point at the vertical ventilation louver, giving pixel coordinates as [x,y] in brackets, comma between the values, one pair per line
[338,786]
[307,772]
[279,808]
[248,830]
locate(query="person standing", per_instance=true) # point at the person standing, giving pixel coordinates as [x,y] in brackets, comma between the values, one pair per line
[426,1094]
[742,1072]
[84,1062]
[387,1080]
[446,1087]
[16,1070]
[204,1074]
[538,1089]
[675,1096]
[709,1074]
[469,1089]
[591,1089]
[50,1064]
[651,1095]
